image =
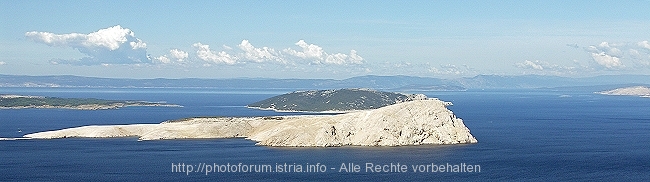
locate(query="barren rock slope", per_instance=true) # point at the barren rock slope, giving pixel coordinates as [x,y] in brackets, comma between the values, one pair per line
[409,123]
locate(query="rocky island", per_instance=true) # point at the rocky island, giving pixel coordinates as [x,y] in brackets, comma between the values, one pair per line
[634,91]
[24,102]
[412,122]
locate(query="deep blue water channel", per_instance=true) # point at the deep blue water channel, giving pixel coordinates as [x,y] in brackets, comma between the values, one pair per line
[524,135]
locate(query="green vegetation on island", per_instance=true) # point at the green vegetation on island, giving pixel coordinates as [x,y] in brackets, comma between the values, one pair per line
[21,102]
[334,100]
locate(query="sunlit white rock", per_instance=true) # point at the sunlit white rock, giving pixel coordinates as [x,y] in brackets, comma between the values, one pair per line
[410,123]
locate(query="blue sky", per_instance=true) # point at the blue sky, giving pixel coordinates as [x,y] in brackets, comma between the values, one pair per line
[323,39]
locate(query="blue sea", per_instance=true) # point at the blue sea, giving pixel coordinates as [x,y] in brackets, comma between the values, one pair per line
[524,135]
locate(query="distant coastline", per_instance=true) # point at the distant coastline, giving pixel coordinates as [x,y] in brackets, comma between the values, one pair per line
[387,83]
[40,102]
[94,106]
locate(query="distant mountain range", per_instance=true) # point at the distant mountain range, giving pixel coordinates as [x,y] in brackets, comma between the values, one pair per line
[391,83]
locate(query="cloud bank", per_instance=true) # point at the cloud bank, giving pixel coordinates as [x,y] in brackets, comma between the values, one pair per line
[616,56]
[605,57]
[118,45]
[247,53]
[113,45]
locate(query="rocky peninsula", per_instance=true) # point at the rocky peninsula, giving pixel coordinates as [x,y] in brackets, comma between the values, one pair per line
[40,102]
[634,91]
[416,122]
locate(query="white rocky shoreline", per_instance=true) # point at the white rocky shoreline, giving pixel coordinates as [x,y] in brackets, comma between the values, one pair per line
[416,122]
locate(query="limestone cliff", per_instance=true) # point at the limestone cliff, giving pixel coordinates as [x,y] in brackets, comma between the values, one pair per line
[409,123]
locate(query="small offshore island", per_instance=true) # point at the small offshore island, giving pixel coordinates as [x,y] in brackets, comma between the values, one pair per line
[40,102]
[414,121]
[633,91]
[342,100]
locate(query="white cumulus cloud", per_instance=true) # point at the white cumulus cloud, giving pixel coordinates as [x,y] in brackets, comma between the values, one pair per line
[174,56]
[610,62]
[607,48]
[247,53]
[162,59]
[615,56]
[317,55]
[644,44]
[355,58]
[309,51]
[258,54]
[113,45]
[531,65]
[204,53]
[178,54]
